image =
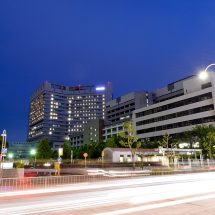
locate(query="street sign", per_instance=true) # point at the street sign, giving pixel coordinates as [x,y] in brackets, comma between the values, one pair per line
[60,151]
[4,151]
[85,154]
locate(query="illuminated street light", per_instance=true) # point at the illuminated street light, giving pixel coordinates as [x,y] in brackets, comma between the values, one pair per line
[203,75]
[33,152]
[10,155]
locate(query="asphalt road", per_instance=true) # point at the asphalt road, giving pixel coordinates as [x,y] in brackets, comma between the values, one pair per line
[190,194]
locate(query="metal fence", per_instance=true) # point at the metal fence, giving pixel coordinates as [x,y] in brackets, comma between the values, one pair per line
[93,175]
[27,183]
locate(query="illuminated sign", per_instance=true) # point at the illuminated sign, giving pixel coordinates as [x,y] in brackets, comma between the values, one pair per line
[101,88]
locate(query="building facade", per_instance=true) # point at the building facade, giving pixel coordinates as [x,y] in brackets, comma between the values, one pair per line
[21,150]
[178,107]
[93,132]
[58,111]
[120,110]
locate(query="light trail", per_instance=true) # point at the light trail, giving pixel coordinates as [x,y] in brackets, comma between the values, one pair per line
[132,193]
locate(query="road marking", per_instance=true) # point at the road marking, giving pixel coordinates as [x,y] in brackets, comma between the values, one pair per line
[158,205]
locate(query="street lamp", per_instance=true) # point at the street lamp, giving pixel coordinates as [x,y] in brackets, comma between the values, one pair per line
[10,155]
[204,74]
[33,153]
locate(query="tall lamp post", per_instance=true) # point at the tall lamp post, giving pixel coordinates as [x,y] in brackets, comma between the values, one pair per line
[33,153]
[204,74]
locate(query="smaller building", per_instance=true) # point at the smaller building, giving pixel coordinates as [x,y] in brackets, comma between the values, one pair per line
[93,132]
[160,155]
[119,111]
[111,130]
[121,155]
[21,150]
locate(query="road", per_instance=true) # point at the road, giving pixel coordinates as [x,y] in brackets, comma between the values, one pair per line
[161,195]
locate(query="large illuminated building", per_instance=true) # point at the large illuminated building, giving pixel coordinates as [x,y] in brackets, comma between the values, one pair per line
[57,112]
[178,107]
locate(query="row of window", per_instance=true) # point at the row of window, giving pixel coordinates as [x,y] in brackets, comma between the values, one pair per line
[195,99]
[175,115]
[120,114]
[177,125]
[120,108]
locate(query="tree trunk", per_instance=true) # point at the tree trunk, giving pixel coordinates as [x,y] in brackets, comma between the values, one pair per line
[210,150]
[133,159]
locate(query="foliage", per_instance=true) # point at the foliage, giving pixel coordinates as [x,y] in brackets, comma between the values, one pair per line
[165,141]
[113,142]
[129,140]
[147,144]
[170,143]
[93,149]
[54,154]
[205,134]
[189,136]
[43,149]
[66,150]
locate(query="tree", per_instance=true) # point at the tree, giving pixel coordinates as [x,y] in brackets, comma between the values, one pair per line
[129,140]
[205,135]
[165,141]
[147,144]
[188,136]
[54,154]
[211,141]
[43,149]
[169,143]
[66,150]
[113,142]
[93,149]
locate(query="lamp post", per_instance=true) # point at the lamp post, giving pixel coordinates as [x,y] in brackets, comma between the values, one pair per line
[10,156]
[33,153]
[204,74]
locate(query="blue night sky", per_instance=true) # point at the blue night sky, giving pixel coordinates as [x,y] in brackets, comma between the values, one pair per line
[137,45]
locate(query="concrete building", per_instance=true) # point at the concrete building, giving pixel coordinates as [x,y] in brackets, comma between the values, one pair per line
[178,107]
[21,150]
[93,132]
[58,111]
[157,155]
[120,110]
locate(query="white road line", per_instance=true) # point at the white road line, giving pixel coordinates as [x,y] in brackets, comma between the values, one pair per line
[159,205]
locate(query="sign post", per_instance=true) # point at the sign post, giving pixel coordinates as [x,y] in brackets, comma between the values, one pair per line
[71,157]
[103,158]
[3,148]
[85,159]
